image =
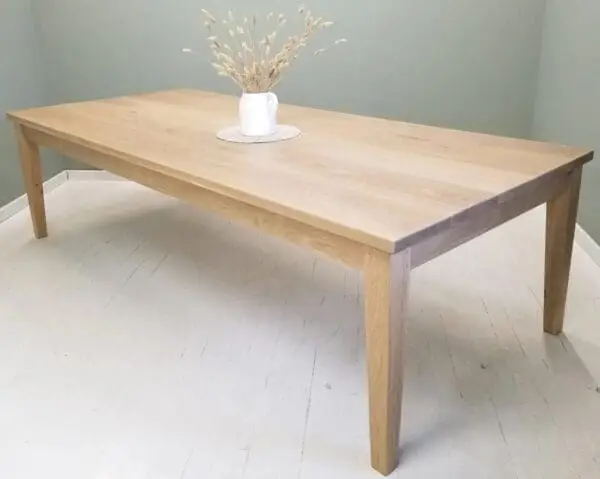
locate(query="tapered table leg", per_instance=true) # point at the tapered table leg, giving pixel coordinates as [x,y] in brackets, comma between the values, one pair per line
[32,177]
[386,298]
[561,218]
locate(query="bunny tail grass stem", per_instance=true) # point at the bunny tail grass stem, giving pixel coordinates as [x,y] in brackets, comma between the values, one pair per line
[255,66]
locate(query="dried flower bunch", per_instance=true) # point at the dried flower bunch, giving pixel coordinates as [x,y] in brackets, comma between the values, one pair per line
[251,59]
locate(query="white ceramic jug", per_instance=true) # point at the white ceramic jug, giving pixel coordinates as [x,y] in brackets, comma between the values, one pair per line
[258,114]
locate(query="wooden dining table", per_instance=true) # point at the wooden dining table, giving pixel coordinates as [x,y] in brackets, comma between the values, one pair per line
[379,195]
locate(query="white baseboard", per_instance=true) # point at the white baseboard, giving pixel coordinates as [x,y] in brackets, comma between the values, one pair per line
[92,175]
[51,184]
[587,244]
[21,202]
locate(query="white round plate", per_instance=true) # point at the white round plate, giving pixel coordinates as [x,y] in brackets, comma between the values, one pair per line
[234,135]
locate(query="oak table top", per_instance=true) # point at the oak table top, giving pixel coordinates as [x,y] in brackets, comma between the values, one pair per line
[380,195]
[381,183]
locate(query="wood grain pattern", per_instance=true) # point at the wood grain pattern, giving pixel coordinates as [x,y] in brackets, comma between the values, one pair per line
[34,185]
[386,300]
[384,184]
[488,216]
[331,245]
[561,218]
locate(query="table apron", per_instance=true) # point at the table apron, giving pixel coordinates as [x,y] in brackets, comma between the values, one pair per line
[333,246]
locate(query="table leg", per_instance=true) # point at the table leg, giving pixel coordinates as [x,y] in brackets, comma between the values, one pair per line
[561,218]
[386,298]
[32,177]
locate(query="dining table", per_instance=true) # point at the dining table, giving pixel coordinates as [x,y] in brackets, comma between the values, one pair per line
[379,195]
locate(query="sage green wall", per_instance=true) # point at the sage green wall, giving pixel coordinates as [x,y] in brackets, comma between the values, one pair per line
[468,64]
[21,86]
[568,99]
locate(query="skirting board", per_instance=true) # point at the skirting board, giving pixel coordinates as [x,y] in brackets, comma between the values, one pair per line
[587,244]
[51,184]
[92,175]
[585,241]
[21,203]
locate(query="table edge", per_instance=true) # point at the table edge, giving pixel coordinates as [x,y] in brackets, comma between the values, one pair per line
[386,245]
[513,194]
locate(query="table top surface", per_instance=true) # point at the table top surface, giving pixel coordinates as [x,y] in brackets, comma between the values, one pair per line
[382,183]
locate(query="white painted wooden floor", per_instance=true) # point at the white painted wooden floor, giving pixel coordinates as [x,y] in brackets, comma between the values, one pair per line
[146,339]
